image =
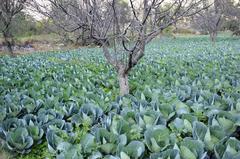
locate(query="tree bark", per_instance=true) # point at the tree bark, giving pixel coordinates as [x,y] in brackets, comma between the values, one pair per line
[83,38]
[123,83]
[213,36]
[10,49]
[9,43]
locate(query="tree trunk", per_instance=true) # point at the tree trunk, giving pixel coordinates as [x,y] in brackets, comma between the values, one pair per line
[213,36]
[10,49]
[83,38]
[123,84]
[9,44]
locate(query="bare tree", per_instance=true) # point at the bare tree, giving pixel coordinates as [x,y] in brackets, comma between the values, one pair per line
[210,19]
[66,25]
[9,9]
[232,14]
[127,39]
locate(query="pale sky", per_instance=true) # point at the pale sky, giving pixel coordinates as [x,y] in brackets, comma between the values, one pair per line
[35,14]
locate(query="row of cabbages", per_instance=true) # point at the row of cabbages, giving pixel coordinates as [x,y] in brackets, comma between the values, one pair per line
[130,128]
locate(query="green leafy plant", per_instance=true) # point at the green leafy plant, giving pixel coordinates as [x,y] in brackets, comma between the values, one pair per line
[183,103]
[157,138]
[19,140]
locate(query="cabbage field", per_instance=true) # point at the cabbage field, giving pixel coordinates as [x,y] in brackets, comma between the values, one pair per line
[184,103]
